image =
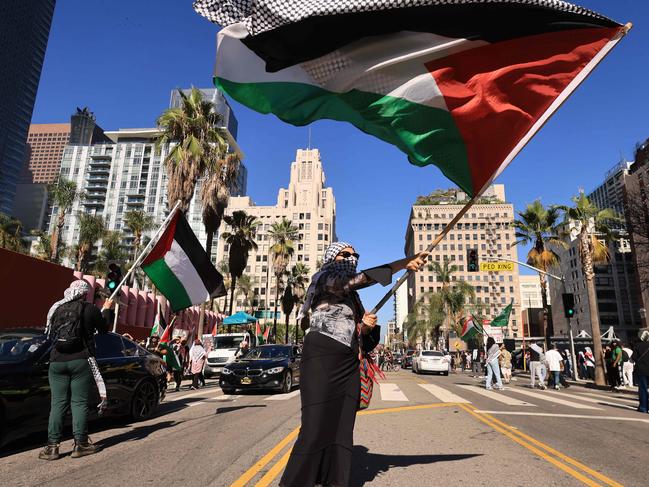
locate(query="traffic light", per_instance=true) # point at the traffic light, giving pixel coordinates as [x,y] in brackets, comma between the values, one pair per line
[568,304]
[472,263]
[114,276]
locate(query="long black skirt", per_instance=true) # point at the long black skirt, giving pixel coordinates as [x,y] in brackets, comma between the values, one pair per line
[329,391]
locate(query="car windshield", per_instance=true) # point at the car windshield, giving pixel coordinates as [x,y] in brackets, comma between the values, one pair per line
[267,352]
[17,347]
[228,342]
[431,353]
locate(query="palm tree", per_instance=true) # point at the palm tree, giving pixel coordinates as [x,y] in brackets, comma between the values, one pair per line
[282,234]
[138,222]
[63,194]
[10,233]
[43,245]
[91,229]
[426,318]
[589,220]
[246,287]
[539,226]
[111,250]
[294,292]
[224,269]
[241,240]
[198,144]
[215,193]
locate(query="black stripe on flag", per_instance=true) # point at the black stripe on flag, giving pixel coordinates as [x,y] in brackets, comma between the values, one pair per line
[211,278]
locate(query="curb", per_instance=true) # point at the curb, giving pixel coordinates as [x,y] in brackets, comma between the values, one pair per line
[589,385]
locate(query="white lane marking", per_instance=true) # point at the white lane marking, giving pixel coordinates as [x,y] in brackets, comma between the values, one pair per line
[201,393]
[559,415]
[596,401]
[551,398]
[497,396]
[391,392]
[225,397]
[608,398]
[283,397]
[442,394]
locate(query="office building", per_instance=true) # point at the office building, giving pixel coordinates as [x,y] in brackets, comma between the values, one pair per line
[46,142]
[310,206]
[24,33]
[486,228]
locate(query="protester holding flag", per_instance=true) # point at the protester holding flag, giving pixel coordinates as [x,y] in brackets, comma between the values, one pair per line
[493,369]
[197,357]
[339,329]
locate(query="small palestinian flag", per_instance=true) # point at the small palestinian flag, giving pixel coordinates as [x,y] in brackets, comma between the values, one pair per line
[166,336]
[503,318]
[159,324]
[461,84]
[470,329]
[180,268]
[266,333]
[258,334]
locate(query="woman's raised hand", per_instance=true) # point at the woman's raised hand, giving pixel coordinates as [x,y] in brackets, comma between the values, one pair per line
[417,261]
[369,322]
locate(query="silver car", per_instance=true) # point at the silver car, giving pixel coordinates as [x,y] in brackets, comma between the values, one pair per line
[430,361]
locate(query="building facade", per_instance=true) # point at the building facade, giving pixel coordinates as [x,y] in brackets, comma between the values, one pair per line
[24,32]
[46,142]
[310,206]
[611,193]
[486,228]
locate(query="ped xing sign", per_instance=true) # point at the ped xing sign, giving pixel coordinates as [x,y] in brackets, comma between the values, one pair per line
[497,266]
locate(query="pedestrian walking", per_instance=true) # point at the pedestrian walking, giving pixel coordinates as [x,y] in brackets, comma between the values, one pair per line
[590,363]
[172,360]
[505,362]
[641,360]
[627,366]
[71,324]
[554,360]
[581,361]
[617,358]
[197,357]
[339,329]
[536,365]
[493,369]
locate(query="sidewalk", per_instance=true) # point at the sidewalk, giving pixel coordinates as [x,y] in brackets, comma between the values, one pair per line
[632,391]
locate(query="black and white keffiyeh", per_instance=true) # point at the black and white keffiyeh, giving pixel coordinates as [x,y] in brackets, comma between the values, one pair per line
[78,289]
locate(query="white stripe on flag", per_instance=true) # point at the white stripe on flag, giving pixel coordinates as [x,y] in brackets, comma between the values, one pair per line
[181,265]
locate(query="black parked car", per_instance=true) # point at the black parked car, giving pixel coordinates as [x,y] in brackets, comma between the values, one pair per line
[407,359]
[264,367]
[135,380]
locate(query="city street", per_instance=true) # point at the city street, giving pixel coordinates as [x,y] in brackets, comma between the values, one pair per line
[420,430]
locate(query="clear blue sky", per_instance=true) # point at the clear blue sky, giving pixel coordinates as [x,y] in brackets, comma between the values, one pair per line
[122,58]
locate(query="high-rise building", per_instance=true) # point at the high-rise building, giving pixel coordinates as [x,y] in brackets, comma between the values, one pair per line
[24,32]
[611,193]
[532,305]
[401,306]
[485,228]
[310,206]
[46,142]
[222,107]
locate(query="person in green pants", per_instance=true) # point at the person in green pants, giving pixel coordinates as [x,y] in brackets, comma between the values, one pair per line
[71,324]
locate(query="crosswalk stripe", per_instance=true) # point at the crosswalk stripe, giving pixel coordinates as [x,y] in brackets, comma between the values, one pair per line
[496,396]
[610,398]
[596,401]
[391,392]
[443,395]
[283,397]
[550,398]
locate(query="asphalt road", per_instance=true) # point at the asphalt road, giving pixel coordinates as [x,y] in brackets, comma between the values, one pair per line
[420,430]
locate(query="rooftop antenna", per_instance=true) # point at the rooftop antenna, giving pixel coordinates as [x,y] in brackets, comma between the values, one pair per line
[309,145]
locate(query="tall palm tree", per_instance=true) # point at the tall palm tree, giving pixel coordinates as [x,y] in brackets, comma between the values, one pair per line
[297,279]
[91,229]
[215,193]
[426,318]
[539,226]
[138,222]
[10,233]
[282,234]
[111,250]
[241,240]
[198,144]
[63,193]
[590,222]
[43,245]
[444,273]
[246,287]
[224,269]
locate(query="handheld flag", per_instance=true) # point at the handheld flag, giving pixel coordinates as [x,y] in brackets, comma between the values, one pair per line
[470,328]
[258,334]
[214,329]
[159,324]
[503,318]
[266,333]
[166,336]
[463,85]
[180,268]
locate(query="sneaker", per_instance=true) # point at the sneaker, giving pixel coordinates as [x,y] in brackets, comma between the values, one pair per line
[83,448]
[50,452]
[192,388]
[543,386]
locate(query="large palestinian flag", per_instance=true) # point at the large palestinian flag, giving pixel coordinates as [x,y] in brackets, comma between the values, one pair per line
[180,268]
[461,84]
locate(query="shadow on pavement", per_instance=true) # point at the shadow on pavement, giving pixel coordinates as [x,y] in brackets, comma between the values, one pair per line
[137,433]
[236,408]
[367,466]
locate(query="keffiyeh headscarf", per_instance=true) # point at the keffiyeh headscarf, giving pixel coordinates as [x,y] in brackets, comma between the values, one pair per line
[78,289]
[345,267]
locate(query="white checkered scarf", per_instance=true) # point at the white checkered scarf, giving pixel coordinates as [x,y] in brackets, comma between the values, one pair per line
[78,289]
[344,268]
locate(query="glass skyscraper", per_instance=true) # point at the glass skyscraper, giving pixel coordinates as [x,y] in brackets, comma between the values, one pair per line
[24,32]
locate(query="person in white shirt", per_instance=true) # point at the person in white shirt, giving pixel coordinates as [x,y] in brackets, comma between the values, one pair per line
[627,367]
[554,359]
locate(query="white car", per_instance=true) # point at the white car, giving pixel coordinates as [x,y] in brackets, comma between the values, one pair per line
[430,361]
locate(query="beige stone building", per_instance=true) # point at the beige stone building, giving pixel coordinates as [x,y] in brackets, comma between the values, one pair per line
[46,143]
[487,228]
[309,205]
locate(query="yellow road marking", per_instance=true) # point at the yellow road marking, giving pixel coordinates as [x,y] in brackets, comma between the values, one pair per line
[274,471]
[511,433]
[549,449]
[407,408]
[254,470]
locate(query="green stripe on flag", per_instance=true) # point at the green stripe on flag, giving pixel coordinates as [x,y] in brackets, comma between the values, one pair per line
[168,284]
[427,135]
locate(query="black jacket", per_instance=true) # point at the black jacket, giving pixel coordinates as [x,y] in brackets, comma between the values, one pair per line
[641,358]
[92,320]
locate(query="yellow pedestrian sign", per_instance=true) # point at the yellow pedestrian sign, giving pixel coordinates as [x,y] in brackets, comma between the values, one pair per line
[496,266]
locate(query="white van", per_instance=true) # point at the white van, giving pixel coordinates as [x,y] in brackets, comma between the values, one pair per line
[225,346]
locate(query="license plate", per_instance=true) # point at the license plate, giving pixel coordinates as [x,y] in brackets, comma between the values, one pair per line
[246,380]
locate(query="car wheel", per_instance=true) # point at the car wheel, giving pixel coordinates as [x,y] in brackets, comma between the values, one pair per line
[288,383]
[145,400]
[228,390]
[445,373]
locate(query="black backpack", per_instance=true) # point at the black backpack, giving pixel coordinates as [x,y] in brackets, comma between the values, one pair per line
[625,356]
[67,329]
